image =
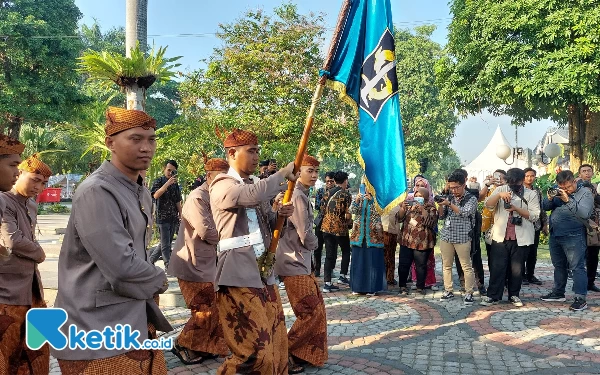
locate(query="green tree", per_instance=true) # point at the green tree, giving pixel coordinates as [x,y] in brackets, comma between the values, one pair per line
[37,59]
[530,59]
[262,79]
[428,122]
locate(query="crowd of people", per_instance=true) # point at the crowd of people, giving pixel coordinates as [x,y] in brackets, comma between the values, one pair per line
[514,215]
[107,274]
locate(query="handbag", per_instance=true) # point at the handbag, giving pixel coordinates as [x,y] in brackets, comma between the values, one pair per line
[593,229]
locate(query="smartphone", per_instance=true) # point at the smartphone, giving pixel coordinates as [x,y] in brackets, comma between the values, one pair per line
[362,189]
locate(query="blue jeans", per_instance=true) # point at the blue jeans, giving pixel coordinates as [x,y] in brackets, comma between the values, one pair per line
[568,253]
[167,232]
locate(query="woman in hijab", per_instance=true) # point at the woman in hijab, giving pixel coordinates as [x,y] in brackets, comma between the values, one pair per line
[430,281]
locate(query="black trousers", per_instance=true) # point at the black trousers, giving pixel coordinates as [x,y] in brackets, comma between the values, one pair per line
[505,255]
[531,258]
[591,263]
[318,253]
[405,260]
[477,263]
[331,244]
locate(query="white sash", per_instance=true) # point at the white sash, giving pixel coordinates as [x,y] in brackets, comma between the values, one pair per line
[254,238]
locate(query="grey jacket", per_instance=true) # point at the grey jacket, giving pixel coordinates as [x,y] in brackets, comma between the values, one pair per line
[19,275]
[195,252]
[104,277]
[229,198]
[294,252]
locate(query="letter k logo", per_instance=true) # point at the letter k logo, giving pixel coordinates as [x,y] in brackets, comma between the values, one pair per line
[43,325]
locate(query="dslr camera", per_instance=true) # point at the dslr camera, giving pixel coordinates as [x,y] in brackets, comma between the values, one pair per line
[553,192]
[439,198]
[516,220]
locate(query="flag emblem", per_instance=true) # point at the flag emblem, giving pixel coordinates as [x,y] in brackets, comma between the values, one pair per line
[379,81]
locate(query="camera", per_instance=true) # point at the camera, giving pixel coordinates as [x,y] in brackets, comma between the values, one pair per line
[439,198]
[507,205]
[174,173]
[553,192]
[516,220]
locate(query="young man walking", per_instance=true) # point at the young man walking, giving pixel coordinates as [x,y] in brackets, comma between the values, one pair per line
[21,284]
[104,276]
[307,339]
[194,263]
[244,219]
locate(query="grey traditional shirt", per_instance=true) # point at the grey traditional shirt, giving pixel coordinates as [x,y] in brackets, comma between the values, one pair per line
[104,278]
[19,275]
[195,252]
[230,196]
[294,252]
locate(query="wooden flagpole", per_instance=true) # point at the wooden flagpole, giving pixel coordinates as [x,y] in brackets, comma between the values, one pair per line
[264,265]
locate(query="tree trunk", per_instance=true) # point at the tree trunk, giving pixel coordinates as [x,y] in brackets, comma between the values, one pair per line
[11,125]
[131,25]
[576,132]
[136,97]
[592,138]
[142,24]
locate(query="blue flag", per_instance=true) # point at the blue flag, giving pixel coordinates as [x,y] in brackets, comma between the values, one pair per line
[363,70]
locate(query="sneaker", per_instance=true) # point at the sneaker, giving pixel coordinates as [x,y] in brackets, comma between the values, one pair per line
[516,301]
[554,297]
[578,305]
[534,280]
[403,291]
[570,274]
[469,299]
[330,288]
[343,280]
[447,296]
[371,294]
[282,286]
[355,293]
[488,301]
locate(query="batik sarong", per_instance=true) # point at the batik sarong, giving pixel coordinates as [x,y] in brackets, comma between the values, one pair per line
[254,328]
[15,356]
[307,339]
[202,332]
[135,362]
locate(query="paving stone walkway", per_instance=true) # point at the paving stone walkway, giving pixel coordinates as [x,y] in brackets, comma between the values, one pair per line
[390,334]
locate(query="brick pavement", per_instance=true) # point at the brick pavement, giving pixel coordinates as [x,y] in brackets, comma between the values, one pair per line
[389,334]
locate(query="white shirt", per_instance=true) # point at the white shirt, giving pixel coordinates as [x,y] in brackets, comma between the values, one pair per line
[525,232]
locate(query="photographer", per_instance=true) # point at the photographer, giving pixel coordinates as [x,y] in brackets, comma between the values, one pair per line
[571,207]
[515,210]
[458,213]
[417,237]
[165,191]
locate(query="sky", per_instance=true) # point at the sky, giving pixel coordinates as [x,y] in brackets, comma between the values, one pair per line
[168,19]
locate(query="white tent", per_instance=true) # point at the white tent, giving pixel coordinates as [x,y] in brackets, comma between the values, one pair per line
[487,162]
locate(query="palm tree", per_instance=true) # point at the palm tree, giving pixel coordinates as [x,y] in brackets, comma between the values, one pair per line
[132,74]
